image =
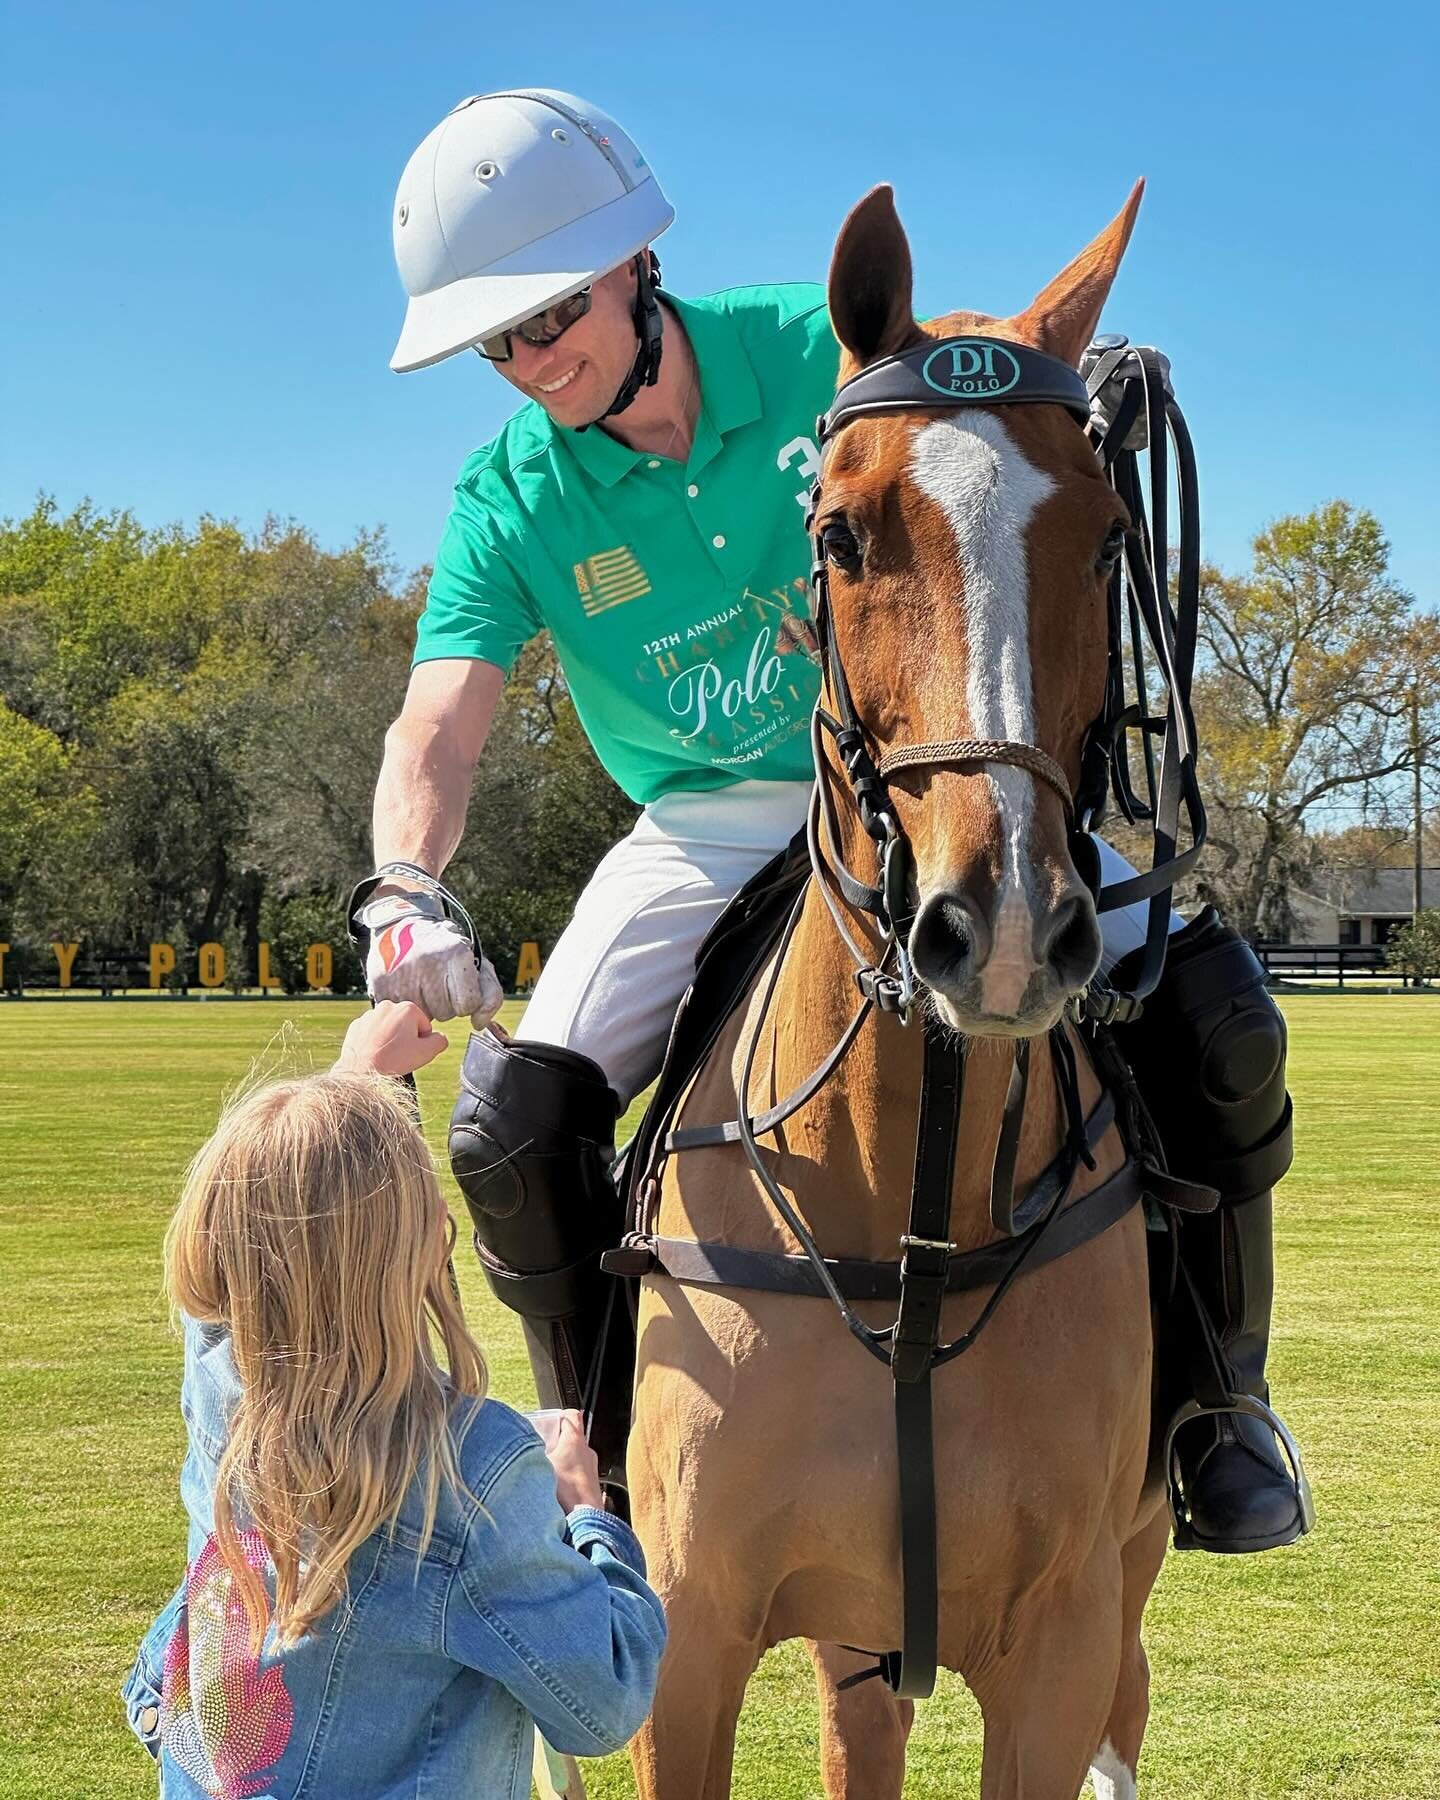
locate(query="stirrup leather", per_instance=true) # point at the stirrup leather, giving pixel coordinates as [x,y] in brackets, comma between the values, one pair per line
[1186,1538]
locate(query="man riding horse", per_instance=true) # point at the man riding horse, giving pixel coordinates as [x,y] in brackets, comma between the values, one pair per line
[647,508]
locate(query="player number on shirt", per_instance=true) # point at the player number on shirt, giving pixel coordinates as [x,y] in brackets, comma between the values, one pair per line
[809,464]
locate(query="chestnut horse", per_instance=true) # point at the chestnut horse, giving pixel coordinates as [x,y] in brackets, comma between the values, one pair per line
[968,553]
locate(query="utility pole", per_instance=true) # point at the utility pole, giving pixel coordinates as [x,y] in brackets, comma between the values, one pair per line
[1419,814]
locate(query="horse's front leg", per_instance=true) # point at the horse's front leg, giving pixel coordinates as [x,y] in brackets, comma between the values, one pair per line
[863,1729]
[1046,1700]
[686,1748]
[707,1570]
[1119,1754]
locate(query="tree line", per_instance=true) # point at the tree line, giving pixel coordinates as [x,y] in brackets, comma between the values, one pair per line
[191,725]
[192,721]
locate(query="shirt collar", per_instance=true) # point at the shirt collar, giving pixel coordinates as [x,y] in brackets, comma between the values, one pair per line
[729,396]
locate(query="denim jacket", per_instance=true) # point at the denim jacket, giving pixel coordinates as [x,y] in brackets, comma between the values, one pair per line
[426,1677]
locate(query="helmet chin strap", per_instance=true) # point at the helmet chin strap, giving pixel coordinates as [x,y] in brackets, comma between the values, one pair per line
[649,329]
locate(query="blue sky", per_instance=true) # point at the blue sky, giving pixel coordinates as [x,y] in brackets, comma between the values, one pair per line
[201,302]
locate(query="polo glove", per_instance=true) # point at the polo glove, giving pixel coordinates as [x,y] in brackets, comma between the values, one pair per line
[416,953]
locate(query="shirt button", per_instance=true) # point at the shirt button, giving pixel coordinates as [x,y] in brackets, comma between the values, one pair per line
[654,463]
[718,541]
[149,1719]
[693,491]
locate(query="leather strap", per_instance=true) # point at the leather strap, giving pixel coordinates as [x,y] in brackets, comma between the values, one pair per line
[1007,1145]
[704,1137]
[770,1271]
[926,1248]
[909,1672]
[924,1267]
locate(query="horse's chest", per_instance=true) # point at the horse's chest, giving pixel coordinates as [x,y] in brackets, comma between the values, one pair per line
[776,1416]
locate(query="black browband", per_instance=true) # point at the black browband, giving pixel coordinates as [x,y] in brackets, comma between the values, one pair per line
[958,371]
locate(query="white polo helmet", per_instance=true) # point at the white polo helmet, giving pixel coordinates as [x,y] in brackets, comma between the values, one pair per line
[514,201]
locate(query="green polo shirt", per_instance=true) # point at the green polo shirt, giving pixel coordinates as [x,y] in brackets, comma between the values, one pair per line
[664,585]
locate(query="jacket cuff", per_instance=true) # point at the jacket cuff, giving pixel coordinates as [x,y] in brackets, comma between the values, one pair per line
[593,1525]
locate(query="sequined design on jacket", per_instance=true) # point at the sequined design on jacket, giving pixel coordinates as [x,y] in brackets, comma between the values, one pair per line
[223,1719]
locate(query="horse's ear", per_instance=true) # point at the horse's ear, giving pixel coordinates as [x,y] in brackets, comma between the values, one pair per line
[1062,318]
[870,280]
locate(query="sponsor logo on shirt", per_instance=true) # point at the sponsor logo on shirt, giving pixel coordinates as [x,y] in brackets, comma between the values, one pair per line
[610,578]
[733,680]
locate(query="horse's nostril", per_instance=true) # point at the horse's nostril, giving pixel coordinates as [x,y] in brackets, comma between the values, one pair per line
[948,940]
[952,917]
[1073,951]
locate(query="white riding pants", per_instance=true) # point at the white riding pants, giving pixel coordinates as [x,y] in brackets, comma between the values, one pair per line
[614,980]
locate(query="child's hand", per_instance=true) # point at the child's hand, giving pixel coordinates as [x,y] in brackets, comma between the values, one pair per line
[577,1469]
[393,1038]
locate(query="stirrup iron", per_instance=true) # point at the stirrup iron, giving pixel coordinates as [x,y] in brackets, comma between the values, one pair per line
[1186,1537]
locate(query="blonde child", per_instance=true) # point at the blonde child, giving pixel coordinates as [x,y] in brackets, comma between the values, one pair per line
[389,1576]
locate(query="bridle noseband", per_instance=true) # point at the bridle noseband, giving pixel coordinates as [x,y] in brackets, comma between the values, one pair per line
[982,371]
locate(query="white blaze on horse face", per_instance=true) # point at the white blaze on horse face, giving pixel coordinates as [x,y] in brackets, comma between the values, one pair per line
[1111,1777]
[971,467]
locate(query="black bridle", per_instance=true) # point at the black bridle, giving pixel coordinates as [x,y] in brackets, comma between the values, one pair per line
[1124,402]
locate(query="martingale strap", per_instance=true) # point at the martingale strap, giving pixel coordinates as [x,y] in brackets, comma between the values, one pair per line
[924,1270]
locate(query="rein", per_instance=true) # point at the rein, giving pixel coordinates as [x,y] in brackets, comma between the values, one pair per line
[1126,405]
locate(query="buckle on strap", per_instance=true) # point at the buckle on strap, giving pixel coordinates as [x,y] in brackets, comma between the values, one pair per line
[924,1274]
[908,1243]
[1104,1005]
[889,993]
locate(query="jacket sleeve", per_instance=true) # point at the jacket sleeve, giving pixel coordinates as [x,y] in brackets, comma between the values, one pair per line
[557,1610]
[142,1687]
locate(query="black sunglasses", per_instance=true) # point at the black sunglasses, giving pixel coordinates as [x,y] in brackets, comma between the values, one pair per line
[539,329]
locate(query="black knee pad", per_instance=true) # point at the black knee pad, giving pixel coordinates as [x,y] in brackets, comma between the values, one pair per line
[1208,1053]
[532,1139]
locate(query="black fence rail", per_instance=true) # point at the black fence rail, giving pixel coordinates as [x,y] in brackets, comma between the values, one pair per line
[1330,963]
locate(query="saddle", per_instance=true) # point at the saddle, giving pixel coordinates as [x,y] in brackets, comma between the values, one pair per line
[730,957]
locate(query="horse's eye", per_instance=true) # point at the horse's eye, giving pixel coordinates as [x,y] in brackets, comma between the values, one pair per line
[840,545]
[1110,550]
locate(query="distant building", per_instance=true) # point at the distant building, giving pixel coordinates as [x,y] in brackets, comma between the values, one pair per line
[1359,906]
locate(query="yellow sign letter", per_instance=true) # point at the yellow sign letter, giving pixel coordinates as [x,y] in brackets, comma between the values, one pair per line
[527,970]
[265,978]
[65,956]
[319,965]
[211,966]
[162,962]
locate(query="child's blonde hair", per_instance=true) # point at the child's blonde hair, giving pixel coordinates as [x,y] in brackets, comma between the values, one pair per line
[312,1227]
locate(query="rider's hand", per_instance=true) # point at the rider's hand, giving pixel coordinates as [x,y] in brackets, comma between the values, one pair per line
[393,1038]
[577,1470]
[417,954]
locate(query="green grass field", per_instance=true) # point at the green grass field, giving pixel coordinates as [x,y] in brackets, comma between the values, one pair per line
[1306,1672]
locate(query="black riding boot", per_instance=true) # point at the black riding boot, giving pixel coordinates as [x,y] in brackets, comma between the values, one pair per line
[1239,1495]
[532,1140]
[1208,1054]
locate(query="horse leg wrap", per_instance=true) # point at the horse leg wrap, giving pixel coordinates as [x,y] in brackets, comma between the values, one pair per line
[1208,1054]
[532,1140]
